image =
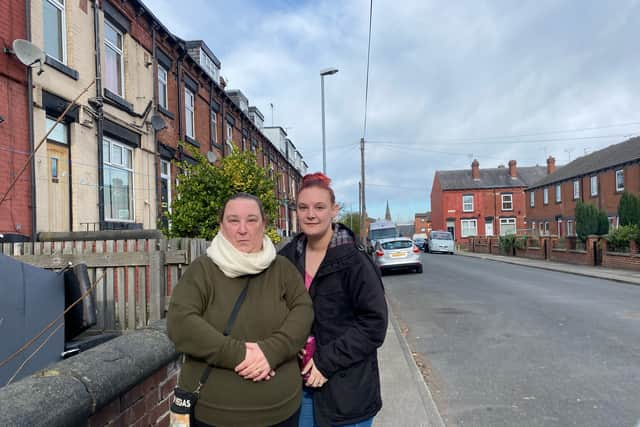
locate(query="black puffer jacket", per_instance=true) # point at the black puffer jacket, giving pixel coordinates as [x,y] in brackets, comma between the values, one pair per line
[350,324]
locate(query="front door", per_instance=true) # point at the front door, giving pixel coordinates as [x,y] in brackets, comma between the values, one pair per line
[488,229]
[451,228]
[58,186]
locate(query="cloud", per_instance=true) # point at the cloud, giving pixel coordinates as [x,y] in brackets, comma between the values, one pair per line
[448,82]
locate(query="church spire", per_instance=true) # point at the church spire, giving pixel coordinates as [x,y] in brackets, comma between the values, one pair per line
[387,214]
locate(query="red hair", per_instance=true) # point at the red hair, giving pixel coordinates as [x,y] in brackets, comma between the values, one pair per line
[318,179]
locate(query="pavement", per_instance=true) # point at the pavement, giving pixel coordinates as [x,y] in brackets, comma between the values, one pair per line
[406,399]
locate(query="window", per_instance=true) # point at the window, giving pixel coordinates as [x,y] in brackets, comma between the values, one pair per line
[209,66]
[545,196]
[507,202]
[467,203]
[594,185]
[214,128]
[54,169]
[165,185]
[546,228]
[162,87]
[189,113]
[118,181]
[559,228]
[558,193]
[570,231]
[53,16]
[576,189]
[613,222]
[507,226]
[532,199]
[469,227]
[61,132]
[114,65]
[620,180]
[230,137]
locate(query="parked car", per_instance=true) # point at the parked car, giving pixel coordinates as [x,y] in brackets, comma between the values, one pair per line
[441,241]
[398,253]
[420,240]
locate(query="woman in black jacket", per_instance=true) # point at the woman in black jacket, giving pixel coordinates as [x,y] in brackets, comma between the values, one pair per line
[340,364]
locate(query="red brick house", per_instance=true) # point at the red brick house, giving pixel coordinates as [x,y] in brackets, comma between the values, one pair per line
[482,202]
[16,212]
[598,178]
[422,223]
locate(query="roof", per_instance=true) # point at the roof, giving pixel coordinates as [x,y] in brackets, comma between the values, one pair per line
[490,178]
[426,215]
[613,155]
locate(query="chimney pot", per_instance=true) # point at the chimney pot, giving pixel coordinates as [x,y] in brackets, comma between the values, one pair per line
[551,165]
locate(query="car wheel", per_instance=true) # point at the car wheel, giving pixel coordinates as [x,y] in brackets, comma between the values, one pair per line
[419,270]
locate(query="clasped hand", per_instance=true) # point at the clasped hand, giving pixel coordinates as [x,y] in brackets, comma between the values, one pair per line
[255,365]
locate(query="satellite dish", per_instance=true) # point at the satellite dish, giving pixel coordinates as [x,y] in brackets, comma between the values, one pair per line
[28,53]
[211,156]
[157,122]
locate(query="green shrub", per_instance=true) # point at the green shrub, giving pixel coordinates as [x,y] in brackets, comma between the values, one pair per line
[510,241]
[618,240]
[590,220]
[629,209]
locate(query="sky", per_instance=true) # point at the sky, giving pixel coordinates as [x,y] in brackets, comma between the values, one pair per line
[448,82]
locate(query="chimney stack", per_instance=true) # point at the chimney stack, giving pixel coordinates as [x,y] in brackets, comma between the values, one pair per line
[475,170]
[512,169]
[551,165]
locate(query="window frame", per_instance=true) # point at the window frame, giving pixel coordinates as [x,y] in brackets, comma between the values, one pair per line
[503,222]
[503,201]
[189,125]
[164,89]
[620,189]
[570,228]
[117,50]
[108,164]
[558,190]
[166,176]
[214,127]
[468,221]
[545,196]
[593,188]
[576,189]
[62,31]
[467,203]
[532,199]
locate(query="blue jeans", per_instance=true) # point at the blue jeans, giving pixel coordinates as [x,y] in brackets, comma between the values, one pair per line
[306,412]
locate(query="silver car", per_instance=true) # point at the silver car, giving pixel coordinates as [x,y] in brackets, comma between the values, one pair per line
[441,241]
[399,253]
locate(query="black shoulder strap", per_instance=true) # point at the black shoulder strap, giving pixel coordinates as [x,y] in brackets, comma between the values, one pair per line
[227,330]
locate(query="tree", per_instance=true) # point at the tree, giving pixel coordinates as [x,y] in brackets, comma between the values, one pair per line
[629,209]
[351,220]
[590,220]
[203,188]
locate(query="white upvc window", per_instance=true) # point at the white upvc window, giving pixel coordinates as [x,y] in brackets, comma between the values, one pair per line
[594,185]
[532,199]
[54,22]
[163,99]
[545,196]
[114,64]
[620,180]
[558,193]
[467,203]
[189,113]
[570,230]
[165,179]
[118,181]
[469,227]
[507,226]
[214,127]
[576,189]
[507,201]
[229,139]
[209,66]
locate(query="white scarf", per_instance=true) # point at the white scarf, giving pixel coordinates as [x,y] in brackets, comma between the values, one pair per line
[235,263]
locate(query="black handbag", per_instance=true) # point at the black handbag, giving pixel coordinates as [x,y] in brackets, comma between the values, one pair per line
[183,405]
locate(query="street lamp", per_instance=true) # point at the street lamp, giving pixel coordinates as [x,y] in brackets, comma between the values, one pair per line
[325,72]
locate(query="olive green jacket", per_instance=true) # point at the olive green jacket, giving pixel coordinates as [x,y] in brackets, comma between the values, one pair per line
[276,313]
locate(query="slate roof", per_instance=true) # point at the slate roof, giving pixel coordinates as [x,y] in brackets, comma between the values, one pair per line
[614,155]
[491,178]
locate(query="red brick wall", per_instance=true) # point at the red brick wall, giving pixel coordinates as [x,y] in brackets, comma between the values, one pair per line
[14,131]
[146,404]
[607,198]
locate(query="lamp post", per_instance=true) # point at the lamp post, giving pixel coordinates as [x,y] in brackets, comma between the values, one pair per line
[325,72]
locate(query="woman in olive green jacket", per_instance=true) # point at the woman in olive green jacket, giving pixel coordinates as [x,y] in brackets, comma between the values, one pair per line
[255,379]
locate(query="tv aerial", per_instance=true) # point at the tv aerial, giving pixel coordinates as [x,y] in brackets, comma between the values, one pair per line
[28,53]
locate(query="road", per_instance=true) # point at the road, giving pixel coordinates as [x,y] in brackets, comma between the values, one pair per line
[507,345]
